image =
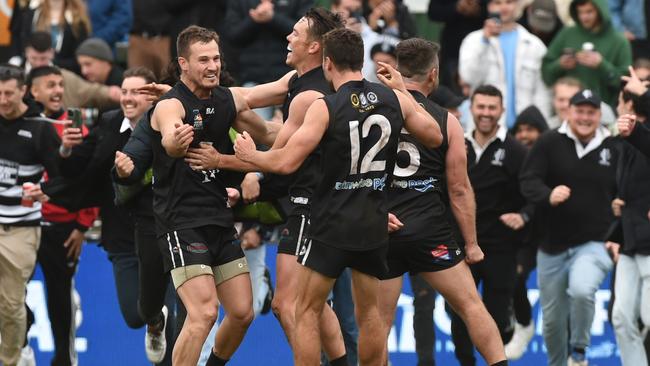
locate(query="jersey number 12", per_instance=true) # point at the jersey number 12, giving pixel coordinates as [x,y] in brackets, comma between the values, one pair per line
[368,163]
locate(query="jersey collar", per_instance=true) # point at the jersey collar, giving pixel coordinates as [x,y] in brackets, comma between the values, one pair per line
[594,143]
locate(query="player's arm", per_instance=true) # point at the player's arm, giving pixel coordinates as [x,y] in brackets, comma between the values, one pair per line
[297,111]
[418,121]
[459,188]
[269,94]
[168,119]
[288,159]
[247,120]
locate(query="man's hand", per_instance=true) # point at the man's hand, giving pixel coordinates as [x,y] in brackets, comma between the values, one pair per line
[559,195]
[387,12]
[123,165]
[634,85]
[613,249]
[513,220]
[154,91]
[233,196]
[625,124]
[393,223]
[617,207]
[204,157]
[391,77]
[250,187]
[250,239]
[473,253]
[590,59]
[263,13]
[183,136]
[245,147]
[35,193]
[491,28]
[71,136]
[73,243]
[568,62]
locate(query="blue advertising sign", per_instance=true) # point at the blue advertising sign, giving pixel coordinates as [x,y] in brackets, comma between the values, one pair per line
[104,339]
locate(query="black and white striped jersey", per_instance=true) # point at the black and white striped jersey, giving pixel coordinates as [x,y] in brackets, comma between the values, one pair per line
[28,147]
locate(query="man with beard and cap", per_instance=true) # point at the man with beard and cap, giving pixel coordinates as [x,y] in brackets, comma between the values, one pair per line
[570,175]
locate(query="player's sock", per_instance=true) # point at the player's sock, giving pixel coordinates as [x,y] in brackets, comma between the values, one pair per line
[341,361]
[214,360]
[501,363]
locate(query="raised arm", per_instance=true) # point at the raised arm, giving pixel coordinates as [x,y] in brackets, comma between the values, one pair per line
[265,95]
[247,120]
[419,122]
[288,159]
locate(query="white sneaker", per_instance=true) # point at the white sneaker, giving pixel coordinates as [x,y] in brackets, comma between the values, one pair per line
[519,342]
[78,314]
[155,345]
[27,357]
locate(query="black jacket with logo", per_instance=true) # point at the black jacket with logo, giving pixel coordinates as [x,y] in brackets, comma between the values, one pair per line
[495,180]
[587,214]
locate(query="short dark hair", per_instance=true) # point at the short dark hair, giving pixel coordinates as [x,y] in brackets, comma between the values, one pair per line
[40,41]
[487,89]
[41,71]
[320,21]
[416,56]
[345,48]
[140,72]
[191,35]
[11,72]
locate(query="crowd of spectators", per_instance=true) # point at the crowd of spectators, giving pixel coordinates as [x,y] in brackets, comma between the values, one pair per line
[541,88]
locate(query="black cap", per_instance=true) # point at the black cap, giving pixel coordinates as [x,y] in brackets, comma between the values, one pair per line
[445,98]
[585,96]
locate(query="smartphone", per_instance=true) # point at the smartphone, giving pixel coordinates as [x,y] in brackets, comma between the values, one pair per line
[74,114]
[495,16]
[569,51]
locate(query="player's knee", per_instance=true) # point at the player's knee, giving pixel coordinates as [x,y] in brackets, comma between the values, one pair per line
[204,316]
[242,317]
[280,306]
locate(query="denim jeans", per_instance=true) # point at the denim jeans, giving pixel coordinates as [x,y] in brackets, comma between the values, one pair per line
[632,290]
[568,282]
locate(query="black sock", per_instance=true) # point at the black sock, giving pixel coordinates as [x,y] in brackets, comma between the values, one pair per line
[341,361]
[501,363]
[214,360]
[159,324]
[579,350]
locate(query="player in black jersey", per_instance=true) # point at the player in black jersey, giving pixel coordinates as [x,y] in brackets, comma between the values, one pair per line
[194,223]
[421,239]
[357,128]
[306,86]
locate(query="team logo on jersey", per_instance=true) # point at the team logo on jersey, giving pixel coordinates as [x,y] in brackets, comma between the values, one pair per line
[208,175]
[209,110]
[197,248]
[364,101]
[354,99]
[25,134]
[605,157]
[198,119]
[372,98]
[441,252]
[498,157]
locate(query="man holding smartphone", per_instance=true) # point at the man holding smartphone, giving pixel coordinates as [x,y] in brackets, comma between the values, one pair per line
[62,231]
[506,55]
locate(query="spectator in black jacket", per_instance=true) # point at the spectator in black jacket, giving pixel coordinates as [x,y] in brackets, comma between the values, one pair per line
[570,175]
[494,159]
[632,284]
[97,63]
[258,29]
[460,17]
[140,285]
